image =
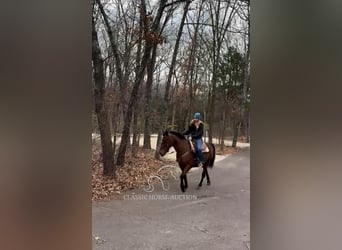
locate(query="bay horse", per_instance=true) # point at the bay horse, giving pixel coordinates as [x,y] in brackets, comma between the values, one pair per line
[185,156]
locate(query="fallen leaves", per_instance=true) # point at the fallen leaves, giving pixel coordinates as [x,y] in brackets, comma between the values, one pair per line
[134,174]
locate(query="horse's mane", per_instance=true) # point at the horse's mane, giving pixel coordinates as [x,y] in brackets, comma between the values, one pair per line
[179,135]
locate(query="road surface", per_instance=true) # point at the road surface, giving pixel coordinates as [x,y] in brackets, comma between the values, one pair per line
[213,217]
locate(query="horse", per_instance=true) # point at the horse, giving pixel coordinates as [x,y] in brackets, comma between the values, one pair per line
[186,157]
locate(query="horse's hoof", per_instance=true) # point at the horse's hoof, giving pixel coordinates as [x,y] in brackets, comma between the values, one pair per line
[208,183]
[198,187]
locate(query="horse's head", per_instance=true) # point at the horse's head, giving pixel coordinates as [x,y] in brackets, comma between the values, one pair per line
[166,143]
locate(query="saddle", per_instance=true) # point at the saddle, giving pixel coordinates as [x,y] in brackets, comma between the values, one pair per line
[205,148]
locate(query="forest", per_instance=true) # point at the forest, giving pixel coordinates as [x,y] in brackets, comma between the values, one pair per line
[155,63]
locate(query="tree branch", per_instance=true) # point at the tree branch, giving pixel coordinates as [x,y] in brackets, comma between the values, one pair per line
[175,2]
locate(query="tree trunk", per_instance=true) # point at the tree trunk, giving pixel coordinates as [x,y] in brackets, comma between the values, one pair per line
[223,131]
[159,138]
[102,116]
[173,114]
[235,132]
[174,102]
[148,94]
[247,126]
[247,77]
[135,143]
[212,108]
[115,125]
[138,63]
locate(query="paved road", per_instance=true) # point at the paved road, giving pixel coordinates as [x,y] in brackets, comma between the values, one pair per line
[214,217]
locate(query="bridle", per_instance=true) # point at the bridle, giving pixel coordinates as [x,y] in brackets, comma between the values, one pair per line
[178,158]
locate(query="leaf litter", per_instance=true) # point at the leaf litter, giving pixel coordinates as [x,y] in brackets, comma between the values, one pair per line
[133,174]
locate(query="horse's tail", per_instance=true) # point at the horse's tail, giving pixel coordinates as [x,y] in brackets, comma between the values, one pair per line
[212,160]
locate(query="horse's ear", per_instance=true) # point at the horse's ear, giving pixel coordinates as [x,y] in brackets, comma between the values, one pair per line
[166,133]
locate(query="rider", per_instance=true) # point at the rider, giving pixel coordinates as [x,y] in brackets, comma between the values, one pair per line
[196,131]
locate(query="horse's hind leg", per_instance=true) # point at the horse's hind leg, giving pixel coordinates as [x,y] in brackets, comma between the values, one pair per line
[207,174]
[203,175]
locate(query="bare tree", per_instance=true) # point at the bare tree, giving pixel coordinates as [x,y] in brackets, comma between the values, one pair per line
[246,82]
[221,19]
[150,38]
[149,83]
[191,72]
[164,115]
[102,117]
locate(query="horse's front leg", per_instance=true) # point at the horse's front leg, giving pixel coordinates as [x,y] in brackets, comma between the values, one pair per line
[184,180]
[181,183]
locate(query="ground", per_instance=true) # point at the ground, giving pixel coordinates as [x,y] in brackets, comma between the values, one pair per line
[213,217]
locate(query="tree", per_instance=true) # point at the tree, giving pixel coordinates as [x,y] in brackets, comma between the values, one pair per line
[245,15]
[148,88]
[102,117]
[221,19]
[150,38]
[164,115]
[231,75]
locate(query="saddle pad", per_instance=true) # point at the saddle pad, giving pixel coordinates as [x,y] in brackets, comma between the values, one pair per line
[205,148]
